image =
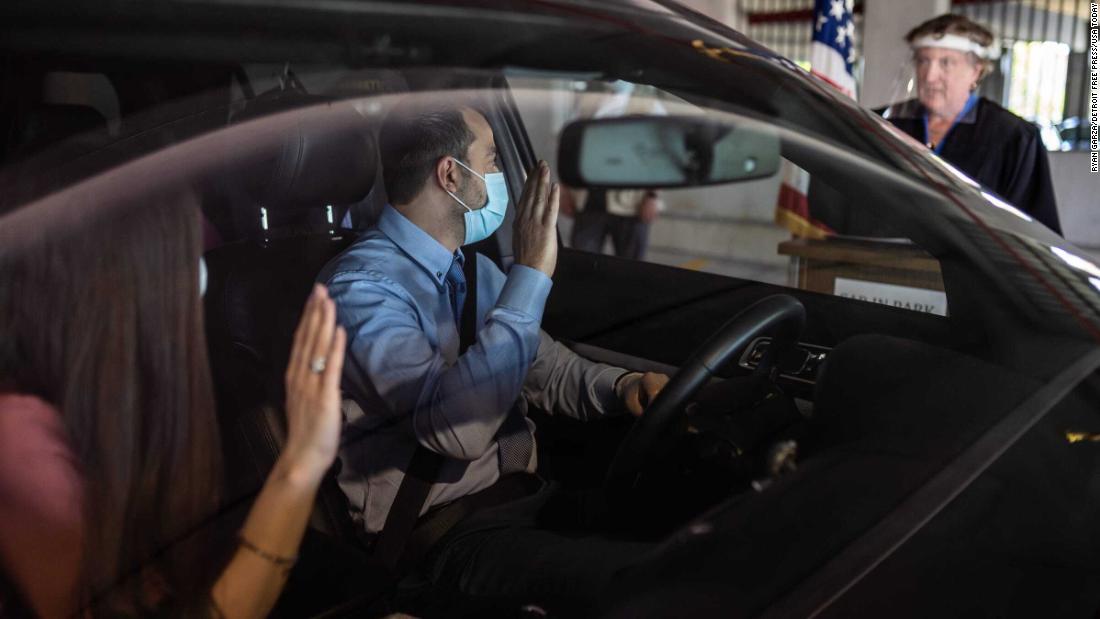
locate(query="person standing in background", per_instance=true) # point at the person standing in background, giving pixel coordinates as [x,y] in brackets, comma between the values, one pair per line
[624,215]
[951,56]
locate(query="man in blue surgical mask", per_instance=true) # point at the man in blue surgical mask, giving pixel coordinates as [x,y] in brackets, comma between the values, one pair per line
[445,356]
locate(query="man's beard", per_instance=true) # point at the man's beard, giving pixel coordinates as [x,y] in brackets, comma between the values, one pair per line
[466,193]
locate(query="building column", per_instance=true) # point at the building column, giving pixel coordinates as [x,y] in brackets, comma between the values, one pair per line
[885,24]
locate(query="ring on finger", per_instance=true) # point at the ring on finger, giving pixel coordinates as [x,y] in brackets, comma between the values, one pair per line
[317,365]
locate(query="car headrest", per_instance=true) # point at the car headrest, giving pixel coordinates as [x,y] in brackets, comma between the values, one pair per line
[256,292]
[48,123]
[326,154]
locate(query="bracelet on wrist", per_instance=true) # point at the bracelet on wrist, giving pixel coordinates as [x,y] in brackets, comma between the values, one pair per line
[283,562]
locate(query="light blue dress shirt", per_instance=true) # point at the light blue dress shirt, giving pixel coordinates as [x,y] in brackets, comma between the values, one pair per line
[407,384]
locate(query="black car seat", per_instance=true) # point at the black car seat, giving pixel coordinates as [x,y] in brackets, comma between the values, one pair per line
[294,193]
[81,126]
[49,140]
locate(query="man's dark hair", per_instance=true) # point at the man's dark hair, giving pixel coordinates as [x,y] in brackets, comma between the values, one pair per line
[413,139]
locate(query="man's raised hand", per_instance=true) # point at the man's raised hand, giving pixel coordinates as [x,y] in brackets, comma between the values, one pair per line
[535,240]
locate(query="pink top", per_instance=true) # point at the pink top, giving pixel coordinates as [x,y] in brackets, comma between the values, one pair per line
[41,516]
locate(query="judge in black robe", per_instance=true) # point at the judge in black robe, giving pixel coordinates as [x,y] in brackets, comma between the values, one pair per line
[994,147]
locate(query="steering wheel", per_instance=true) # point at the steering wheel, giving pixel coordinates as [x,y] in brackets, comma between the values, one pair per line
[781,316]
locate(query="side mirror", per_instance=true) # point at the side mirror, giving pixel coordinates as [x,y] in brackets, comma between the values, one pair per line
[636,152]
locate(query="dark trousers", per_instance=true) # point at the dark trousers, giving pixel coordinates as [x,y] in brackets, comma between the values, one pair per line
[629,236]
[502,558]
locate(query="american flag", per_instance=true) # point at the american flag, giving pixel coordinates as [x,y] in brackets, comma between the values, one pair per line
[832,53]
[833,49]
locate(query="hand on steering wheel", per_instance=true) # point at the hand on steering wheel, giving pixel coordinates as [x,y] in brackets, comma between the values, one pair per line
[780,316]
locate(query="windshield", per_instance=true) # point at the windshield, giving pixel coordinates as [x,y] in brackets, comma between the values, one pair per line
[138,98]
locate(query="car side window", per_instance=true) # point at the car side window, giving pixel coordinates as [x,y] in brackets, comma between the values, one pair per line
[792,229]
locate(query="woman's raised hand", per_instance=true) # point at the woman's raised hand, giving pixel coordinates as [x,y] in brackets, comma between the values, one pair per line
[313,389]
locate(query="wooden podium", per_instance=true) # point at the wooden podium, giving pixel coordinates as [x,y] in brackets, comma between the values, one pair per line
[882,271]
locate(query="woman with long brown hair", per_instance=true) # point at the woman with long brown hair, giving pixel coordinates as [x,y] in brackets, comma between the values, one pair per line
[109,448]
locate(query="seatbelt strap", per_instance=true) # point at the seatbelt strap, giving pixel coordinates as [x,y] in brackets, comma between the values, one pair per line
[424,467]
[815,594]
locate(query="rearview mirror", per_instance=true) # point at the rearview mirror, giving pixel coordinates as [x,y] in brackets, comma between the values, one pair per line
[664,152]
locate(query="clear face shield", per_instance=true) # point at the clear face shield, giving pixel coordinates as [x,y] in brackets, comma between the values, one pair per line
[938,77]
